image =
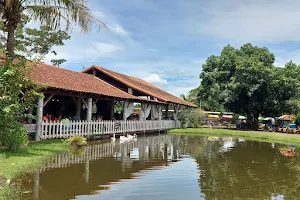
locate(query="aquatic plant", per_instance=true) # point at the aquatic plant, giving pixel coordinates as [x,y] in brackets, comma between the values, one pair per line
[76,142]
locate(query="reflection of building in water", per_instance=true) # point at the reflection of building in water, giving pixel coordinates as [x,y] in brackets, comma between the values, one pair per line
[123,160]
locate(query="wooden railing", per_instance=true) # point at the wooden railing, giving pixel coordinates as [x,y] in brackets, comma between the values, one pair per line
[50,130]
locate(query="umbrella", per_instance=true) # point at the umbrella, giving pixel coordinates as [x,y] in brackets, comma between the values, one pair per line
[213,116]
[287,153]
[242,117]
[287,117]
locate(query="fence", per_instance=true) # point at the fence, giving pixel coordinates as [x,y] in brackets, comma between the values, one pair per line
[50,130]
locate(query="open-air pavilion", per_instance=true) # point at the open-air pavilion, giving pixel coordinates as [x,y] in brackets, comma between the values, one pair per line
[76,103]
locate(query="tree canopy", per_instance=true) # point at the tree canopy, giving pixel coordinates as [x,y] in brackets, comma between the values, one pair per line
[35,43]
[54,14]
[246,81]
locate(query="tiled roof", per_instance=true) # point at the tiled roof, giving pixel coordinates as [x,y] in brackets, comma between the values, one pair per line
[59,78]
[142,86]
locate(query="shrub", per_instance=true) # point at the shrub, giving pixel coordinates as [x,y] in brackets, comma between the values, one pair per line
[13,135]
[297,122]
[76,142]
[17,95]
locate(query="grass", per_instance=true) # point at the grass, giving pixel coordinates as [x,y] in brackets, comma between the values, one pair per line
[250,135]
[13,164]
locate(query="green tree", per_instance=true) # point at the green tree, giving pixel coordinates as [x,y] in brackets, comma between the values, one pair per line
[53,14]
[35,43]
[246,81]
[17,95]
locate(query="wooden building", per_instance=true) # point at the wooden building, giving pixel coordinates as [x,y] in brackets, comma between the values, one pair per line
[88,99]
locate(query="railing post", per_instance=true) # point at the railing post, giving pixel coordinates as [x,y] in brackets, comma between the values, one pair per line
[39,117]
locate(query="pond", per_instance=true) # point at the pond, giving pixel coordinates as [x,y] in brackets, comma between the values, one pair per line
[169,167]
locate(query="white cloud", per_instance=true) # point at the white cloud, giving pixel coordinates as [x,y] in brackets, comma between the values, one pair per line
[248,21]
[155,80]
[118,29]
[100,49]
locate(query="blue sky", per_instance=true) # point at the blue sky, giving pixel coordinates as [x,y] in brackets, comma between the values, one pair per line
[165,42]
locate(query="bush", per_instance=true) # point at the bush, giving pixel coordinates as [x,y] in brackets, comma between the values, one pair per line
[13,135]
[17,95]
[76,142]
[297,122]
[192,116]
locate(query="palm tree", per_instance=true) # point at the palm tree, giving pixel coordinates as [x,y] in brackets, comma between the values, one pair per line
[52,13]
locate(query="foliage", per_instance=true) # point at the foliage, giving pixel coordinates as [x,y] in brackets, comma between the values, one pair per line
[14,164]
[191,116]
[17,95]
[10,192]
[76,141]
[245,81]
[251,135]
[297,121]
[53,14]
[33,43]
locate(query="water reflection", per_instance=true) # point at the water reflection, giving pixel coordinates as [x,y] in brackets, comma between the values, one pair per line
[170,167]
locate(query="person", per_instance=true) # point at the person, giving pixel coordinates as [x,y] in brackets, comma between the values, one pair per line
[99,118]
[75,118]
[45,117]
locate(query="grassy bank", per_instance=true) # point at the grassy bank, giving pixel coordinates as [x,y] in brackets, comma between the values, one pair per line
[251,135]
[13,164]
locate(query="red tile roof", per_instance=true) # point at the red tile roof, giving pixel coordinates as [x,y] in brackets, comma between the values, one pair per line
[59,78]
[142,86]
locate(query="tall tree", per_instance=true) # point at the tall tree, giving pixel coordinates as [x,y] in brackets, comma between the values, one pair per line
[246,81]
[35,43]
[54,14]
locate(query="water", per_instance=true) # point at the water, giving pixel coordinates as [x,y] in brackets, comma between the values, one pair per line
[170,167]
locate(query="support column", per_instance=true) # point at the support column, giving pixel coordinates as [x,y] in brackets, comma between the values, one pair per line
[39,117]
[112,109]
[78,107]
[89,111]
[30,119]
[89,115]
[167,111]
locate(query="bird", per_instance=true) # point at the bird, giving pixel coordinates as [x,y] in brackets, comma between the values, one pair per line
[113,138]
[123,138]
[130,137]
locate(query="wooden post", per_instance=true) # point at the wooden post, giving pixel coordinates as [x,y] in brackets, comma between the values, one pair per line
[87,170]
[78,107]
[112,111]
[167,111]
[90,107]
[89,114]
[39,117]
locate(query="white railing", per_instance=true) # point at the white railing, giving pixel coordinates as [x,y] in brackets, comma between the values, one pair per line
[50,130]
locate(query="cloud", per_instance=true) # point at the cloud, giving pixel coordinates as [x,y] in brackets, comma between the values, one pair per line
[256,20]
[118,29]
[155,80]
[102,49]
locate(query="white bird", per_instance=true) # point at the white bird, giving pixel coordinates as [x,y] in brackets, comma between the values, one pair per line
[135,137]
[113,138]
[123,138]
[130,137]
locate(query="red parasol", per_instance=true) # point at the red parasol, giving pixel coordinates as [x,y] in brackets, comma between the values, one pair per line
[287,153]
[287,117]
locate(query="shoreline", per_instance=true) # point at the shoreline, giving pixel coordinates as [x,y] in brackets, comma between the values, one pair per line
[27,160]
[260,136]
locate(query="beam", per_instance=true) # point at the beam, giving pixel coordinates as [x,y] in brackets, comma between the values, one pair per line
[39,117]
[48,99]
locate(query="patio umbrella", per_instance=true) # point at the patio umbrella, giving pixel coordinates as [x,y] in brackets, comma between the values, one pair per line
[242,117]
[287,117]
[287,153]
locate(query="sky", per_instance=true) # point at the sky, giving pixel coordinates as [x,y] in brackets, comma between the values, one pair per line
[165,42]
